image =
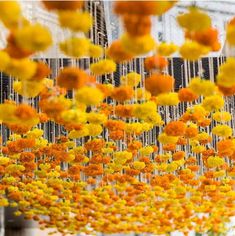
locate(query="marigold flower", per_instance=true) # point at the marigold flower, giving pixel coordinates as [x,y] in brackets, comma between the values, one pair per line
[72,78]
[89,96]
[137,25]
[155,62]
[230,32]
[33,38]
[166,139]
[75,47]
[124,110]
[104,66]
[168,99]
[226,147]
[166,49]
[222,116]
[11,18]
[194,20]
[212,103]
[214,161]
[192,50]
[138,165]
[175,128]
[117,52]
[4,60]
[187,95]
[76,21]
[95,51]
[222,131]
[59,5]
[159,83]
[138,45]
[122,93]
[131,79]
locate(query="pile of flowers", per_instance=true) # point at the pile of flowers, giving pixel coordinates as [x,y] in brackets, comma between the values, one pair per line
[123,163]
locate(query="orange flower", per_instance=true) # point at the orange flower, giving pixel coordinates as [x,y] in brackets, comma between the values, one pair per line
[175,128]
[191,132]
[116,135]
[137,25]
[118,53]
[208,37]
[159,83]
[225,147]
[93,170]
[187,95]
[178,155]
[43,117]
[25,112]
[155,62]
[122,93]
[169,147]
[19,128]
[115,125]
[42,71]
[63,5]
[72,78]
[13,50]
[227,91]
[124,111]
[95,145]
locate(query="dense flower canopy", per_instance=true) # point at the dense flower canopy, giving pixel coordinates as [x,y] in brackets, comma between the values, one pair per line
[122,163]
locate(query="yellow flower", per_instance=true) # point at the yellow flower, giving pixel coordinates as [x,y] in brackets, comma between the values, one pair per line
[4,160]
[165,139]
[22,69]
[168,99]
[35,133]
[73,134]
[143,110]
[222,131]
[4,59]
[226,75]
[202,87]
[138,45]
[215,161]
[89,96]
[191,50]
[96,118]
[74,116]
[194,20]
[230,34]
[33,38]
[138,165]
[94,129]
[95,51]
[75,47]
[105,66]
[131,79]
[7,113]
[10,13]
[171,167]
[75,20]
[121,157]
[147,150]
[222,116]
[142,94]
[3,202]
[166,49]
[27,88]
[214,102]
[198,148]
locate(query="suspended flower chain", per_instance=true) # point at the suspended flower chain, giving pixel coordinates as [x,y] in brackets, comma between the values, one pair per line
[123,164]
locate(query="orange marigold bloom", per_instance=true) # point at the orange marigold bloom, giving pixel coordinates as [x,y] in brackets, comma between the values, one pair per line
[62,5]
[13,50]
[175,128]
[124,110]
[137,25]
[93,170]
[19,128]
[132,172]
[191,160]
[178,155]
[194,168]
[42,71]
[118,53]
[225,147]
[155,62]
[43,117]
[159,83]
[187,95]
[169,147]
[227,91]
[72,78]
[204,122]
[181,141]
[116,135]
[95,145]
[191,132]
[27,157]
[122,93]
[25,112]
[115,125]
